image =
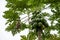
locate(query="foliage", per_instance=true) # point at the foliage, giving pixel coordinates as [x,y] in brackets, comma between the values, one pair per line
[54,37]
[19,7]
[29,36]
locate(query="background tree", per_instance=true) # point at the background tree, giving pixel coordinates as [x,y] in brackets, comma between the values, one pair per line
[38,24]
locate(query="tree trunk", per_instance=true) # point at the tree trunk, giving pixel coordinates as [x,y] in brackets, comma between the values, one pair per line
[39,35]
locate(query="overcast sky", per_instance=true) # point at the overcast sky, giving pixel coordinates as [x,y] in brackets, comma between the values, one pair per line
[4,35]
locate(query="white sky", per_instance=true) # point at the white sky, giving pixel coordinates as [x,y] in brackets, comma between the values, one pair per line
[4,35]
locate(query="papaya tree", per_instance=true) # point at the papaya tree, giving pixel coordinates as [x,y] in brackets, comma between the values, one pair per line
[38,25]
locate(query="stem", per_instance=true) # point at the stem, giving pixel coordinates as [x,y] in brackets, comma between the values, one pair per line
[39,34]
